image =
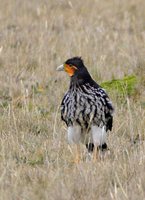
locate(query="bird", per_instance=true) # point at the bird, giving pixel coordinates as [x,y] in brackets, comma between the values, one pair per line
[86,109]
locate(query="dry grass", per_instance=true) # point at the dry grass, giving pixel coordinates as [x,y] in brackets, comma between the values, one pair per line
[35,37]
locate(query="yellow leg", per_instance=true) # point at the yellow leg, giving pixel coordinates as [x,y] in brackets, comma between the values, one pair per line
[95,154]
[77,156]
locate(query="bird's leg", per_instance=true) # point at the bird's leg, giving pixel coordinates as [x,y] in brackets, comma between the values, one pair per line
[95,154]
[77,157]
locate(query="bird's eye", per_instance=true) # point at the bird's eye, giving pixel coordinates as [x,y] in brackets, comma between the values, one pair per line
[70,65]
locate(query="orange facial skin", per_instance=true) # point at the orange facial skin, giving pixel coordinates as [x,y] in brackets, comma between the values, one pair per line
[70,69]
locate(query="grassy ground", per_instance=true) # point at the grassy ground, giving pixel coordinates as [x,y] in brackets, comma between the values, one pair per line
[37,36]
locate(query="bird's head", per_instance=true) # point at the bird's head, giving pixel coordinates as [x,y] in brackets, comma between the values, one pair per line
[72,66]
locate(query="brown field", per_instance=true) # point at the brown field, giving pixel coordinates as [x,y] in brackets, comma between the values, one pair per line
[35,37]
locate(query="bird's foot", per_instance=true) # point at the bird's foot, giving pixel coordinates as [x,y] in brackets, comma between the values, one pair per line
[77,160]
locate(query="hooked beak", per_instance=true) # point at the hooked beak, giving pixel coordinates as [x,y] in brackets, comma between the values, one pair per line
[60,68]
